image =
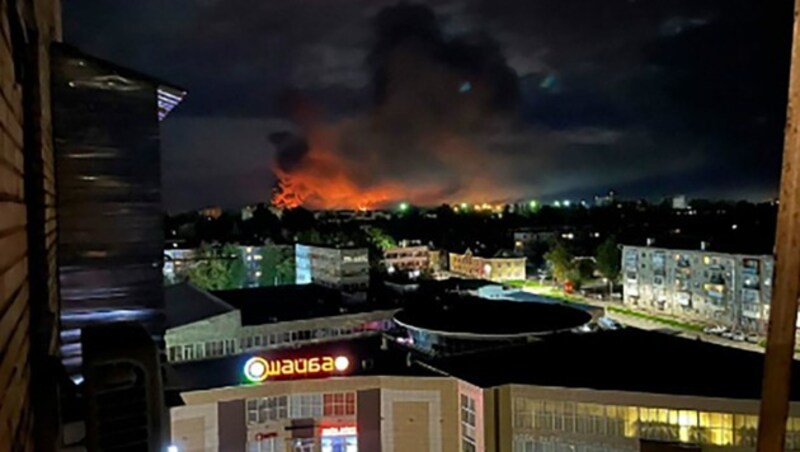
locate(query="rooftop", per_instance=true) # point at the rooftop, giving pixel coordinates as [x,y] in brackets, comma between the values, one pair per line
[467,315]
[366,357]
[623,360]
[719,246]
[287,303]
[186,303]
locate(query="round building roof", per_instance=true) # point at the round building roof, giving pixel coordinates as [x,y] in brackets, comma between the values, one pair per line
[476,318]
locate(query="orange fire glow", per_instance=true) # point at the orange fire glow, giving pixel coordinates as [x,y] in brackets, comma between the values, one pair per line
[327,179]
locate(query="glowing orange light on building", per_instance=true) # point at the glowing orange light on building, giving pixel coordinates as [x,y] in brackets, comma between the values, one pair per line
[258,369]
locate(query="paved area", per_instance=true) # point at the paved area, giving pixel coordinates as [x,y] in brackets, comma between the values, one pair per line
[645,324]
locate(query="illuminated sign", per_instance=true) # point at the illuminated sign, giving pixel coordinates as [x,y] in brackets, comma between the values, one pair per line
[258,369]
[348,430]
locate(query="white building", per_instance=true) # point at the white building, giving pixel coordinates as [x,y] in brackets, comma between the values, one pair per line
[727,289]
[342,268]
[415,258]
[203,325]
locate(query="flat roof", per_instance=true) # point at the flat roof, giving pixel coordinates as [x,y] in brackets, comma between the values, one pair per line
[365,354]
[168,94]
[623,360]
[627,360]
[469,315]
[186,303]
[261,305]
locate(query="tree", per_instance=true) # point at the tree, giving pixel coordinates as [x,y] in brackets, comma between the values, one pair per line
[309,237]
[218,268]
[378,238]
[560,261]
[608,260]
[277,265]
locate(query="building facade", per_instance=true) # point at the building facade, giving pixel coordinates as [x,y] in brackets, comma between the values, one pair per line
[342,268]
[106,127]
[491,268]
[550,418]
[214,328]
[407,259]
[733,290]
[382,413]
[178,261]
[448,414]
[29,300]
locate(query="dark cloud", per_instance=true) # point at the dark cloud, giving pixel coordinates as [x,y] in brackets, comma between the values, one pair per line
[650,97]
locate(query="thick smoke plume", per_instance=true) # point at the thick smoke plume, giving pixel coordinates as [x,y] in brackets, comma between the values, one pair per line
[437,101]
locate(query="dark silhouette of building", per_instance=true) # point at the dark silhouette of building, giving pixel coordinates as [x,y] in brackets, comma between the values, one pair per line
[106,131]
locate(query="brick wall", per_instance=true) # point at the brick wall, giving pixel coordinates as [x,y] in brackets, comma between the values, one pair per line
[27,213]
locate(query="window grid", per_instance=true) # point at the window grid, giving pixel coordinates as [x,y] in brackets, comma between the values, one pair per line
[687,426]
[467,423]
[273,444]
[266,409]
[339,404]
[304,406]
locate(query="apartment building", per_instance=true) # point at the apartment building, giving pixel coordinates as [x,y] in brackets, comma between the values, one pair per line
[733,290]
[407,259]
[342,268]
[498,268]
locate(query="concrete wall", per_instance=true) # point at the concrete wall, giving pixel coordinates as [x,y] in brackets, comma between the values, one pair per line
[28,288]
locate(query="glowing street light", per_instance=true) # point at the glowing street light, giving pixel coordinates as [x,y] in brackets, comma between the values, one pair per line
[464,206]
[566,203]
[403,206]
[341,363]
[557,204]
[533,204]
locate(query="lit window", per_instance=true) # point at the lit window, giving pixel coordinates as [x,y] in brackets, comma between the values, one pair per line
[339,404]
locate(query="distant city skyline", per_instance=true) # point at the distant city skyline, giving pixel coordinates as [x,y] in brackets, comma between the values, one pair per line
[470,100]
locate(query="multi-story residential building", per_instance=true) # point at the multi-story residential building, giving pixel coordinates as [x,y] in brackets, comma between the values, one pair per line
[733,290]
[492,268]
[342,268]
[205,325]
[410,258]
[178,261]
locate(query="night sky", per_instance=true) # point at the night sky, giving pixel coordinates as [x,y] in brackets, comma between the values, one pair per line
[370,102]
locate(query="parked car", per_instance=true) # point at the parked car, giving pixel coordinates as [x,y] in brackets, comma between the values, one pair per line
[738,336]
[753,338]
[716,329]
[727,334]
